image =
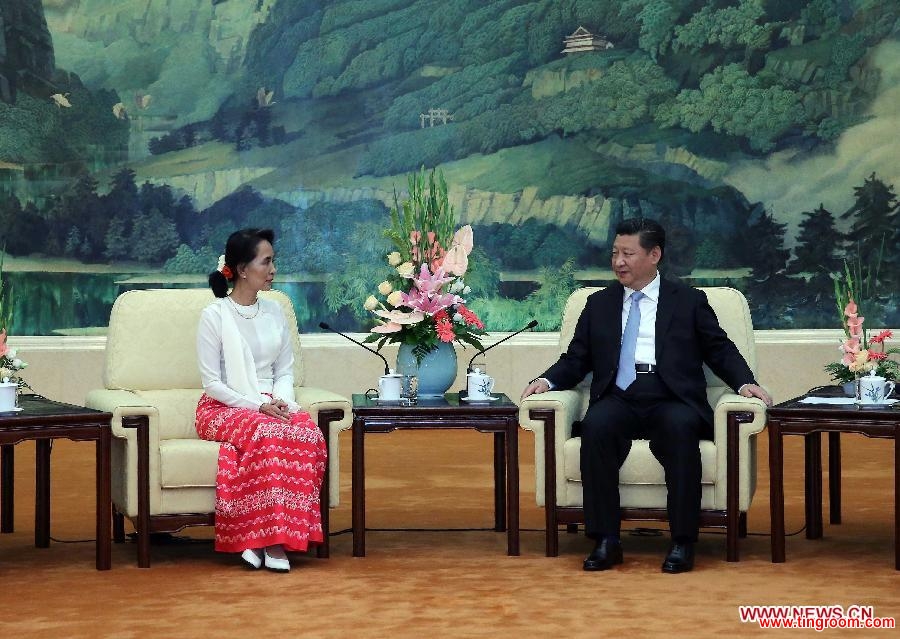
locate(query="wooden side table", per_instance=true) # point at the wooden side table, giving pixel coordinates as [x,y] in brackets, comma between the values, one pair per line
[499,417]
[44,420]
[794,418]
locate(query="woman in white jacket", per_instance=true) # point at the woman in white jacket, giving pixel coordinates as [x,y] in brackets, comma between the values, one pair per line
[272,458]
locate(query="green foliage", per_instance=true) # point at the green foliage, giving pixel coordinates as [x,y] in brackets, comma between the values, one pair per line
[426,207]
[188,261]
[546,304]
[533,244]
[732,101]
[873,213]
[657,19]
[728,27]
[818,243]
[6,298]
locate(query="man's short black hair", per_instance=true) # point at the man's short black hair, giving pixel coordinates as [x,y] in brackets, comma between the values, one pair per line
[650,233]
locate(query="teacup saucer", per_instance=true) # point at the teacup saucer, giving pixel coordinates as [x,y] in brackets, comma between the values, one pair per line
[476,401]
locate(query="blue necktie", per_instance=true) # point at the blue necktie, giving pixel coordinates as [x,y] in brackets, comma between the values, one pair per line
[626,374]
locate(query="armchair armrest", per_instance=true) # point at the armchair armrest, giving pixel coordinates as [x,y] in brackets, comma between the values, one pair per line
[123,403]
[566,406]
[323,405]
[737,420]
[734,403]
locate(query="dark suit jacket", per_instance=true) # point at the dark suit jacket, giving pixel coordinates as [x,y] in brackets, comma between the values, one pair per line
[687,336]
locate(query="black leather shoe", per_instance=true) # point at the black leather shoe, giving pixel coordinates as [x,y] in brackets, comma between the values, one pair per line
[680,558]
[606,554]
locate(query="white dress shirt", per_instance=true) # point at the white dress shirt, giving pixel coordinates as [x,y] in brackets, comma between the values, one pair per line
[645,351]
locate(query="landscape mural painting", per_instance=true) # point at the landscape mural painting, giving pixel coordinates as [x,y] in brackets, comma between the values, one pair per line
[135,135]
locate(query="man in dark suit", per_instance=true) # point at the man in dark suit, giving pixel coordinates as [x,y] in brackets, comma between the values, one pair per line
[645,340]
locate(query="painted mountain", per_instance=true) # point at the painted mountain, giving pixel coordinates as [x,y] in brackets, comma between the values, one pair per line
[762,133]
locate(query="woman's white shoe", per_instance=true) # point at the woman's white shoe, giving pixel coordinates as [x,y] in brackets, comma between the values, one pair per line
[277,560]
[253,557]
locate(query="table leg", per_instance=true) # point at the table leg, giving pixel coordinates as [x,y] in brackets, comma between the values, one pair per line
[834,477]
[7,475]
[500,518]
[776,490]
[813,449]
[359,488]
[104,501]
[42,494]
[512,486]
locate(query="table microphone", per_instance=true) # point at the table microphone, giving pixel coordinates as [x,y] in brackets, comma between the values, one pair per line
[530,324]
[387,368]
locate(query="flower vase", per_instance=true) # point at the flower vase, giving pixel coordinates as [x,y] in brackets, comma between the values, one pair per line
[851,388]
[436,372]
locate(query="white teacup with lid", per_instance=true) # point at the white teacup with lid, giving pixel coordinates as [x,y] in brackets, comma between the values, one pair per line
[389,386]
[479,385]
[874,389]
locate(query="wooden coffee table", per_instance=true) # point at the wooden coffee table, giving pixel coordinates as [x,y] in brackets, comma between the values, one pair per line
[794,418]
[499,417]
[44,420]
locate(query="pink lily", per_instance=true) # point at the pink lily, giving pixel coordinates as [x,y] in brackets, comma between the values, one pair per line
[429,283]
[429,303]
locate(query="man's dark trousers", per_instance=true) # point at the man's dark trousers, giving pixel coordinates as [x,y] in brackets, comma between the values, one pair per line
[646,410]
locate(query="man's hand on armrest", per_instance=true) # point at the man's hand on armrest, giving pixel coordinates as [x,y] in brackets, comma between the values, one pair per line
[752,390]
[539,385]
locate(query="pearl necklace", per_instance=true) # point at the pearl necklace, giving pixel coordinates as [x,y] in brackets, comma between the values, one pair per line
[237,308]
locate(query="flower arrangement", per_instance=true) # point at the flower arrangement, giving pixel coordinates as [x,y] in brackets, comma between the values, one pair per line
[861,354]
[10,365]
[420,300]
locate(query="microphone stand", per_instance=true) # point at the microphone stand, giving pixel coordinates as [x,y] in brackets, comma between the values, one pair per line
[387,368]
[530,324]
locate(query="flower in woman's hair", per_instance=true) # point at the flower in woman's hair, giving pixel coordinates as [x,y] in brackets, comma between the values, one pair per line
[371,303]
[883,335]
[395,298]
[385,287]
[394,258]
[224,269]
[406,269]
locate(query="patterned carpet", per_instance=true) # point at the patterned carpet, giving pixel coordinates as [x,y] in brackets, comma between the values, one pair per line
[444,583]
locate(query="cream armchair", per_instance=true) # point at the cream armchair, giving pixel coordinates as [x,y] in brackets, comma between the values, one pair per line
[163,475]
[729,462]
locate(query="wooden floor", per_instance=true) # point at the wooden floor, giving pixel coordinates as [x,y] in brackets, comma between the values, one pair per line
[443,583]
